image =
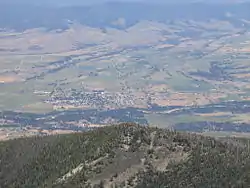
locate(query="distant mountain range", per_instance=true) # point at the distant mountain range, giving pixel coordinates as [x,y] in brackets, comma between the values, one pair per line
[25,16]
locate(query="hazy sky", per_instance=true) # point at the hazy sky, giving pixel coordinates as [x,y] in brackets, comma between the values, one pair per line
[68,1]
[58,2]
[89,2]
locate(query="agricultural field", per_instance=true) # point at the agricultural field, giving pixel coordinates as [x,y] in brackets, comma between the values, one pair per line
[152,70]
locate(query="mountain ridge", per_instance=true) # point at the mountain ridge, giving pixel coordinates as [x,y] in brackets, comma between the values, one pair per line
[125,155]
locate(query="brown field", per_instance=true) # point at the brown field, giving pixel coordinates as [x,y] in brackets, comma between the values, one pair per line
[188,99]
[171,102]
[246,98]
[227,49]
[244,50]
[242,75]
[3,136]
[164,46]
[9,79]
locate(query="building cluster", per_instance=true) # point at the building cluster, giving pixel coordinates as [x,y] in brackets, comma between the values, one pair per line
[95,99]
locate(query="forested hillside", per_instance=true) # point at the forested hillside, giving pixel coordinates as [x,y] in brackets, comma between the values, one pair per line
[126,155]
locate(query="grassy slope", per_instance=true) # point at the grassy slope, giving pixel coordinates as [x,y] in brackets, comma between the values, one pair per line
[125,155]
